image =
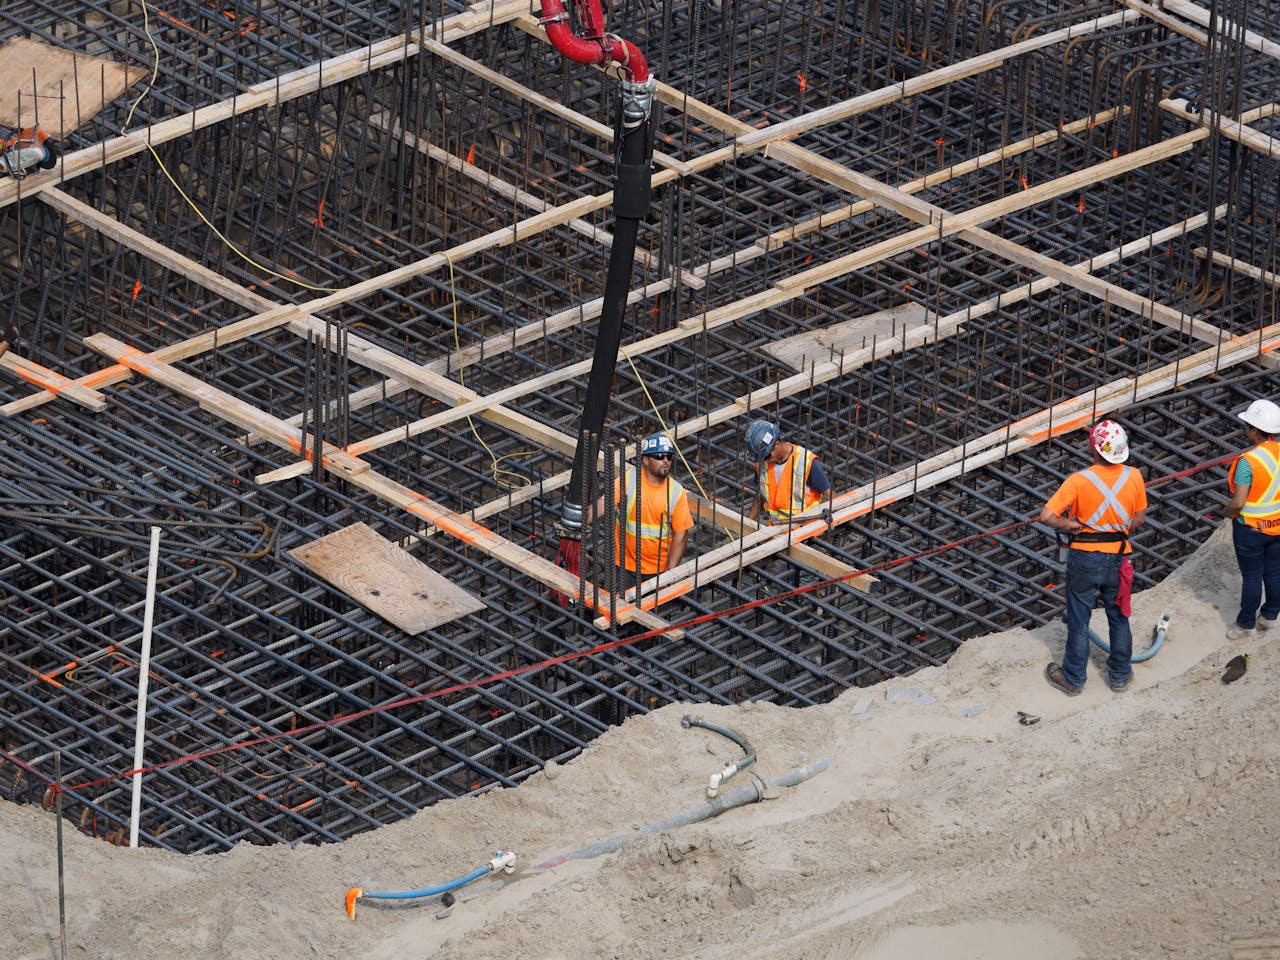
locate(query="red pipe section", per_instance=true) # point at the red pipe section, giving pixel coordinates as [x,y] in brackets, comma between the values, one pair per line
[597,47]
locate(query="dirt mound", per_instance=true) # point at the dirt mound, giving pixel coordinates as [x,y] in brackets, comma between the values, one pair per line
[1124,826]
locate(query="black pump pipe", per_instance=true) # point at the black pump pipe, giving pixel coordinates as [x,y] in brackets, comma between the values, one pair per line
[631,196]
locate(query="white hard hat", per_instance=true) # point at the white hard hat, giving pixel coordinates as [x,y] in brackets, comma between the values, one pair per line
[1264,415]
[1110,440]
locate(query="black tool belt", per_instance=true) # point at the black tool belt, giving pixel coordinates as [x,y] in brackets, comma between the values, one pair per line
[1098,536]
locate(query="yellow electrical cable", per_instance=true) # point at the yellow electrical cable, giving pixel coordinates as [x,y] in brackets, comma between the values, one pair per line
[498,472]
[155,72]
[662,423]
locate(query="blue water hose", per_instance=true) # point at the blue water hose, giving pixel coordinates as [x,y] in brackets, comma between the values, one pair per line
[1162,628]
[501,861]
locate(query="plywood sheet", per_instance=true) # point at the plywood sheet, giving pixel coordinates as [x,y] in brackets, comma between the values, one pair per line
[377,574]
[58,87]
[820,346]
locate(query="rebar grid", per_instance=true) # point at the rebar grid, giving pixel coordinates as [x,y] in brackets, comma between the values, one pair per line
[345,181]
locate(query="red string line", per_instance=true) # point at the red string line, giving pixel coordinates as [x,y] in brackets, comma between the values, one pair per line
[577,655]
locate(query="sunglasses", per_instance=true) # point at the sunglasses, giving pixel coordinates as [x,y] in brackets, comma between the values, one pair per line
[658,456]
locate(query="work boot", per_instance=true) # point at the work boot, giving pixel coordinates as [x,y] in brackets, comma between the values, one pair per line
[1053,673]
[1237,632]
[1264,624]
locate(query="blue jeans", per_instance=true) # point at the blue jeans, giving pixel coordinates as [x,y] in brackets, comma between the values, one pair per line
[1092,574]
[1258,555]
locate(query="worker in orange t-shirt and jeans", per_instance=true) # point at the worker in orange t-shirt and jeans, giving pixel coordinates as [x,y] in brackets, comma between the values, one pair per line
[653,516]
[1098,507]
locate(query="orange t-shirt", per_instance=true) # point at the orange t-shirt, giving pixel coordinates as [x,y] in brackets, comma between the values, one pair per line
[1080,499]
[664,509]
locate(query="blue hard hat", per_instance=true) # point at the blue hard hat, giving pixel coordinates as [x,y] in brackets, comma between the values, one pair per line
[761,436]
[657,443]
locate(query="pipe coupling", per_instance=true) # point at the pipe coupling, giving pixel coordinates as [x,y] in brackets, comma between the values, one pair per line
[571,521]
[637,101]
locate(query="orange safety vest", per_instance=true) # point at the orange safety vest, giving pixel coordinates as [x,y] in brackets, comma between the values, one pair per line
[787,492]
[1262,509]
[1099,509]
[652,529]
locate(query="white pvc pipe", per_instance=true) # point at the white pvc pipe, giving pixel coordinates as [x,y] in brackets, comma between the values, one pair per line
[138,732]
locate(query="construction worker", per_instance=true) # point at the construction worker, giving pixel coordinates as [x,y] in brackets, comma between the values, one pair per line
[1099,508]
[789,478]
[1254,509]
[654,515]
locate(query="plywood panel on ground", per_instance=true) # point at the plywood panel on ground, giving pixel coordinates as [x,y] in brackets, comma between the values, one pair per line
[377,574]
[59,88]
[803,350]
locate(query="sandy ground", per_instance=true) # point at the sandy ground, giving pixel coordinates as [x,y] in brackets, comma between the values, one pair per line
[1136,825]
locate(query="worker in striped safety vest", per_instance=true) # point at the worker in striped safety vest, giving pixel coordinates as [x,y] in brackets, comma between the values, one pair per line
[654,519]
[1254,509]
[1098,507]
[789,478]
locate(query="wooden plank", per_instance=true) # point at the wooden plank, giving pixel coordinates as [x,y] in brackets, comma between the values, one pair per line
[738,524]
[381,577]
[928,81]
[1231,129]
[531,332]
[273,92]
[1224,27]
[824,372]
[553,107]
[991,448]
[764,138]
[510,191]
[59,88]
[967,225]
[246,416]
[1240,266]
[51,381]
[278,315]
[943,224]
[1267,358]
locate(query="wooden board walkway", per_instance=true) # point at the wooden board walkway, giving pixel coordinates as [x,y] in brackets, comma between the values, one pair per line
[381,577]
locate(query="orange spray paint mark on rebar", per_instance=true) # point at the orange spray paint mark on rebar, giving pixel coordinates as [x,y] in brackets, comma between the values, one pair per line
[318,219]
[137,288]
[804,82]
[1080,205]
[471,154]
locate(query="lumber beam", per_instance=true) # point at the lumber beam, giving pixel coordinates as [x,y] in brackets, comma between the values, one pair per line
[1231,129]
[836,368]
[1227,28]
[1071,414]
[268,93]
[358,472]
[49,381]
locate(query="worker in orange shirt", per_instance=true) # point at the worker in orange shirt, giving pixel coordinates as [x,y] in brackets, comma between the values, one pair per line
[1254,508]
[1098,508]
[653,517]
[789,477]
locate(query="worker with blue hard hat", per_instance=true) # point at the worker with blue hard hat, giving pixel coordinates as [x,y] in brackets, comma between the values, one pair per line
[789,478]
[654,522]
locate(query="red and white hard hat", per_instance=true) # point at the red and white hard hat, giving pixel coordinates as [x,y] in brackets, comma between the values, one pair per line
[1264,415]
[1110,440]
